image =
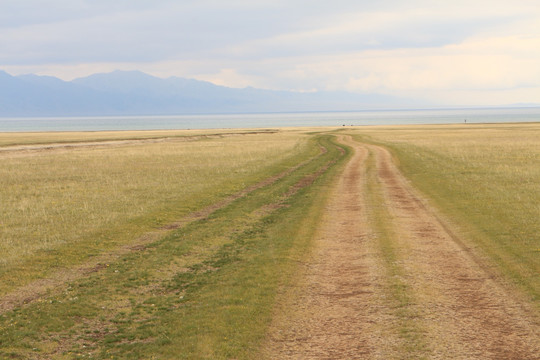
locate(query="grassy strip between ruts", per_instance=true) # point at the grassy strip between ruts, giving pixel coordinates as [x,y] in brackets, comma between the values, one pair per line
[412,345]
[205,291]
[484,178]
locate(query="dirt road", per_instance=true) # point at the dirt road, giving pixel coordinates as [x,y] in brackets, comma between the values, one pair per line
[418,293]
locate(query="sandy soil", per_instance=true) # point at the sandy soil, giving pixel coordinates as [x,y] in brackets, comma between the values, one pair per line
[339,308]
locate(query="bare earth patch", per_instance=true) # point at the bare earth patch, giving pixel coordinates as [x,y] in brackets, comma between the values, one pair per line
[339,310]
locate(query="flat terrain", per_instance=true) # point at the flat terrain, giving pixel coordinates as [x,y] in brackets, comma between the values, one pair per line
[167,248]
[411,242]
[420,294]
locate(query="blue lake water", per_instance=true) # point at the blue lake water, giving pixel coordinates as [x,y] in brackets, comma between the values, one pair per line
[383,117]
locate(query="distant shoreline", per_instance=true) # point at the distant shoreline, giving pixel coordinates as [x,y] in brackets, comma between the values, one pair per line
[264,120]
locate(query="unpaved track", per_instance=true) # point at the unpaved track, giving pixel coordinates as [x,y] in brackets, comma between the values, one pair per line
[466,312]
[340,308]
[335,313]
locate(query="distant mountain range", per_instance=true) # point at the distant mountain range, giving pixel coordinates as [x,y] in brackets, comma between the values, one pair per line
[137,93]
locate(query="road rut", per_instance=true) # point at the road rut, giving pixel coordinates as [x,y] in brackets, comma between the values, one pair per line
[341,307]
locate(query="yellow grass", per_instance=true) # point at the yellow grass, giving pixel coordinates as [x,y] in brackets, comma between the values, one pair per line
[62,197]
[26,138]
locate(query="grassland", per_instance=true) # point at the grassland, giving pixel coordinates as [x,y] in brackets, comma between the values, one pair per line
[37,138]
[68,204]
[202,291]
[485,178]
[207,289]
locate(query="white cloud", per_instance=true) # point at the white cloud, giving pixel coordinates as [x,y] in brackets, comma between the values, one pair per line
[456,51]
[481,65]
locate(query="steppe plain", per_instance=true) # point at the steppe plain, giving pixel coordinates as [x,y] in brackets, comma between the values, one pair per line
[378,242]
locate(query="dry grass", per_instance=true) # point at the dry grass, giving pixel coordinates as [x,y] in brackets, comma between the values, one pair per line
[63,197]
[27,138]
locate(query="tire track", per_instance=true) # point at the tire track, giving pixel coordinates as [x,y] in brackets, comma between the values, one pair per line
[466,312]
[342,308]
[334,312]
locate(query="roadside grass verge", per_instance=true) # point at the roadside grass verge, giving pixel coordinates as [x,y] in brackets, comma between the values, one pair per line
[205,291]
[62,207]
[485,178]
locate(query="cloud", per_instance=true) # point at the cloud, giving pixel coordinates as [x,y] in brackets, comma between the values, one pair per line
[120,33]
[484,66]
[432,50]
[129,31]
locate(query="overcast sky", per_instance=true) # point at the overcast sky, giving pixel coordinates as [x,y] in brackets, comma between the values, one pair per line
[472,52]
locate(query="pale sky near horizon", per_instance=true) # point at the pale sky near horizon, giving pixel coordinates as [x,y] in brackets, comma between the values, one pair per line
[449,52]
